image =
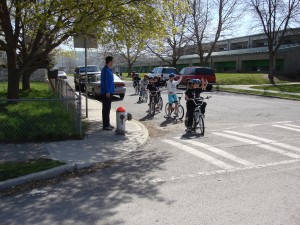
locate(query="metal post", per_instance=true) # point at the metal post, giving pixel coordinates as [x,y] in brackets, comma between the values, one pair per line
[86,78]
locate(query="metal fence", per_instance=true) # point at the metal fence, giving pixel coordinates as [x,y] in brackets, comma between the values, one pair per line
[42,119]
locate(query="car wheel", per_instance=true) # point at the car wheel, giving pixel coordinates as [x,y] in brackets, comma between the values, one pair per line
[94,94]
[76,87]
[122,96]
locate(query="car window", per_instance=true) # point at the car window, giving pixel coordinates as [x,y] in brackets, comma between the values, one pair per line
[204,71]
[159,70]
[192,71]
[116,77]
[154,70]
[169,70]
[182,71]
[89,69]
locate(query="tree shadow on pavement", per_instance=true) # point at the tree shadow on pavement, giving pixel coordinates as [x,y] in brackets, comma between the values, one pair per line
[108,196]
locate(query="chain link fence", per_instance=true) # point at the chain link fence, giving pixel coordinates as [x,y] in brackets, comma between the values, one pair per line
[42,119]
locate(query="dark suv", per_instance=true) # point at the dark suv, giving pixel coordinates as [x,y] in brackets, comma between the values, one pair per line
[79,75]
[189,73]
[162,73]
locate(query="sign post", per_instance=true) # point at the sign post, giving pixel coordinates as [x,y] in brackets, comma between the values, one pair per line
[83,41]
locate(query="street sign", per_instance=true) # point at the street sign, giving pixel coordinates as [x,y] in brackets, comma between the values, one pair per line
[91,42]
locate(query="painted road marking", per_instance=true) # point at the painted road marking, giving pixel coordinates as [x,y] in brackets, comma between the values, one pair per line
[265,140]
[219,152]
[199,154]
[164,179]
[288,128]
[290,125]
[258,144]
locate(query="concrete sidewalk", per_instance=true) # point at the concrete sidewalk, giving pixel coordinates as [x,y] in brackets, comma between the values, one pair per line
[249,87]
[97,146]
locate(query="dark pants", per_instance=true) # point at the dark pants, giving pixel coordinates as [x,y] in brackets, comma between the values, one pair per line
[106,106]
[190,112]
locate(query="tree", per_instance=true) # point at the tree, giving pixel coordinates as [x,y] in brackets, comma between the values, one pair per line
[275,18]
[209,20]
[30,30]
[129,40]
[170,46]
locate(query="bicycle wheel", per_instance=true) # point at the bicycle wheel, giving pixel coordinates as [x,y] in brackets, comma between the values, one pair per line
[201,125]
[196,120]
[160,103]
[152,108]
[180,112]
[166,108]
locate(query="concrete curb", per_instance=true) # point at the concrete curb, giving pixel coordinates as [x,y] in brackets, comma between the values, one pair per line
[45,174]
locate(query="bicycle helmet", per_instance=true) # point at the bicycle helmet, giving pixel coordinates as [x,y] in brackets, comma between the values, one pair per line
[194,81]
[171,75]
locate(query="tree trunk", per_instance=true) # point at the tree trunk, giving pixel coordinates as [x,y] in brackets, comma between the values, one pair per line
[271,68]
[13,76]
[26,81]
[129,68]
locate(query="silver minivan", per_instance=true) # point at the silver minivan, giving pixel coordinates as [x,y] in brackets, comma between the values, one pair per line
[162,73]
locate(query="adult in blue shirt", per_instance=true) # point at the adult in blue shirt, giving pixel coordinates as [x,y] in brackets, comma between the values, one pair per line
[106,91]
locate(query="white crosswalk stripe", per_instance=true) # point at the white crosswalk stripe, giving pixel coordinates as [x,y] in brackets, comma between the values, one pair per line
[290,125]
[268,141]
[286,127]
[258,144]
[199,154]
[210,153]
[219,152]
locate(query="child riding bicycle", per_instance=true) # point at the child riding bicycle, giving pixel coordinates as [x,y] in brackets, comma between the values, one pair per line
[136,79]
[191,96]
[172,97]
[153,87]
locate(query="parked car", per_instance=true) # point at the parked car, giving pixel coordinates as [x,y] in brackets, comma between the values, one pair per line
[162,73]
[79,75]
[93,87]
[189,73]
[62,75]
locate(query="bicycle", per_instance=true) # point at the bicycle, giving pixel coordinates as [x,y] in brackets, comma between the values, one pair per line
[136,85]
[198,117]
[153,102]
[180,107]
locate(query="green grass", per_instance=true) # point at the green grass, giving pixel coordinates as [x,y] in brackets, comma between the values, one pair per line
[35,120]
[267,94]
[243,79]
[293,88]
[12,170]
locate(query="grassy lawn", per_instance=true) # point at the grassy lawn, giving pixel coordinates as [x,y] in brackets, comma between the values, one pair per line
[267,94]
[243,79]
[12,170]
[294,88]
[38,120]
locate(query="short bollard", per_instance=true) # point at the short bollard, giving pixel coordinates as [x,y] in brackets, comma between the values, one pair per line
[122,116]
